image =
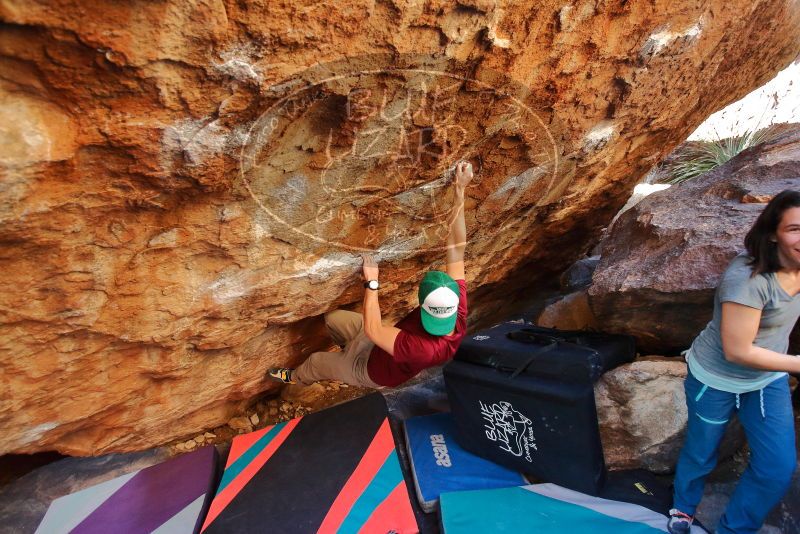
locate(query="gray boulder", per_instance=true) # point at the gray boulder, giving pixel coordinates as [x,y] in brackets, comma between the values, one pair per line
[662,259]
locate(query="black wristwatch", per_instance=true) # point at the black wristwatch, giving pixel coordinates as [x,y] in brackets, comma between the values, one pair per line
[372,284]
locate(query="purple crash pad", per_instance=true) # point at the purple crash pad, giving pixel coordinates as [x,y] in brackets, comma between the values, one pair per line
[171,497]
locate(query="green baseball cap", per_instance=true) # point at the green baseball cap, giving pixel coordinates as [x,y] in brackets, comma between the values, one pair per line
[438,302]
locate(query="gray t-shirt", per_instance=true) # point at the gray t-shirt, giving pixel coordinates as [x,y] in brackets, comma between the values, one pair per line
[779,314]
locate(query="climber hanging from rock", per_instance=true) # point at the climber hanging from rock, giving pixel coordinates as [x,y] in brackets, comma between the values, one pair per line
[375,355]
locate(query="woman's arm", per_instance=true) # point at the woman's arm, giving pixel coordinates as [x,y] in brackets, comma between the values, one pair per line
[739,326]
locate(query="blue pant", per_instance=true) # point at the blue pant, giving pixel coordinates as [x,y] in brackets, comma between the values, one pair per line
[768,422]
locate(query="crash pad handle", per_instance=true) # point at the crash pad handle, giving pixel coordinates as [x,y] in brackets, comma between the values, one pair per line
[577,338]
[534,338]
[547,343]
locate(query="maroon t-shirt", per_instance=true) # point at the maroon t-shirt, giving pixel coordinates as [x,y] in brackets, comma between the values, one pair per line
[415,349]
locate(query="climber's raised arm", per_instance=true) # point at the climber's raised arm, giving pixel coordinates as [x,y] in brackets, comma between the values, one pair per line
[376,331]
[457,235]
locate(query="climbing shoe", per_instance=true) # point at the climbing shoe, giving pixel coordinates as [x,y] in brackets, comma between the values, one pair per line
[679,523]
[281,374]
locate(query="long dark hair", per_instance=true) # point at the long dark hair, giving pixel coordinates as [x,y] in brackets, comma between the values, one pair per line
[759,240]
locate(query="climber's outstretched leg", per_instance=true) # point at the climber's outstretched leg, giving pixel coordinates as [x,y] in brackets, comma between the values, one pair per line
[348,366]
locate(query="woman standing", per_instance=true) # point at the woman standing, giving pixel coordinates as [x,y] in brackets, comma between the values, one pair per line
[739,364]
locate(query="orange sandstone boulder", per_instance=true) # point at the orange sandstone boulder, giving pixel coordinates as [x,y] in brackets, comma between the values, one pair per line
[186,186]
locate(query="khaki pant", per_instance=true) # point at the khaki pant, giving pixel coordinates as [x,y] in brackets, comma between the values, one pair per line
[349,366]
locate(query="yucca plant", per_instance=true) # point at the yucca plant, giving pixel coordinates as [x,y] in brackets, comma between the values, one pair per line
[700,157]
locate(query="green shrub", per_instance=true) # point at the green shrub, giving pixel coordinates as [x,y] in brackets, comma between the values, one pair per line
[700,157]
